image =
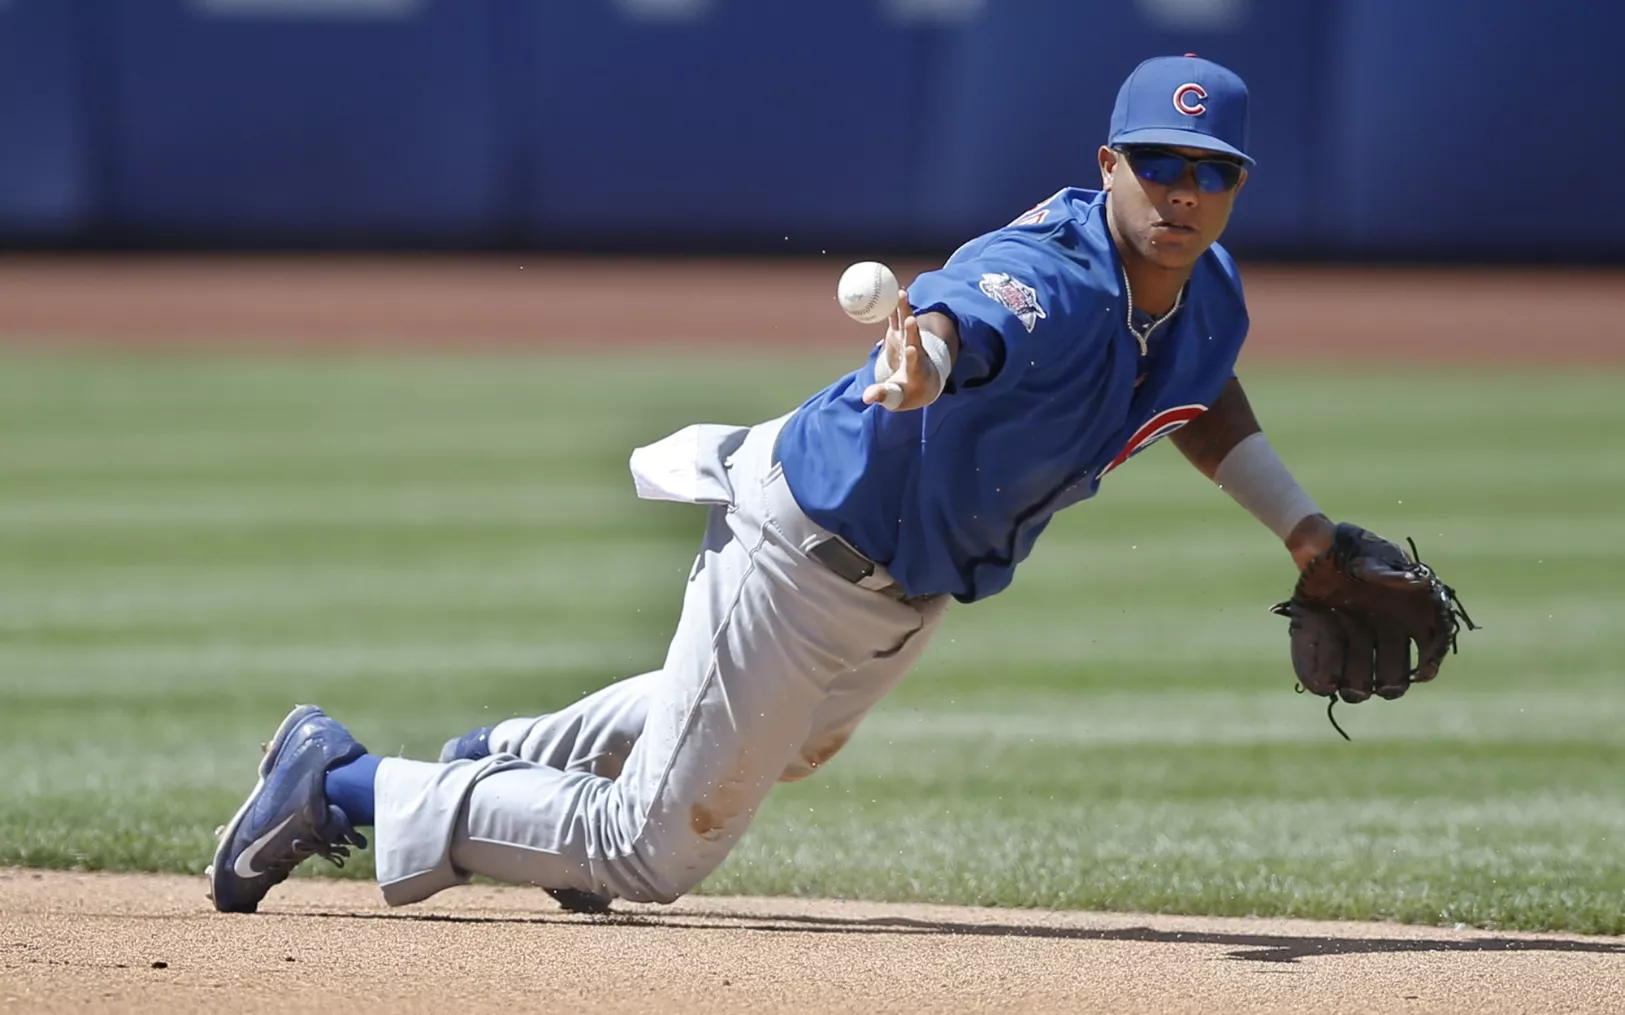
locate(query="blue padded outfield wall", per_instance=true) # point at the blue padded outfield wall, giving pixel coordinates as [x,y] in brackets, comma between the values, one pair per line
[742,124]
[1476,129]
[235,118]
[46,173]
[1464,127]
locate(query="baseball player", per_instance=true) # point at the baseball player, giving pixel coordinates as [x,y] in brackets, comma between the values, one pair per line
[1010,384]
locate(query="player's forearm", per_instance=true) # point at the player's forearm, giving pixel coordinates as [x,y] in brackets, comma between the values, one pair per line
[1210,437]
[1228,446]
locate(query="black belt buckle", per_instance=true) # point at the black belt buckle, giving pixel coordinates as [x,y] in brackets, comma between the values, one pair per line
[834,554]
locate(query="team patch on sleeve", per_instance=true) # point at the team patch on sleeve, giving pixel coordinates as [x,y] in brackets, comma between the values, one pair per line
[1016,296]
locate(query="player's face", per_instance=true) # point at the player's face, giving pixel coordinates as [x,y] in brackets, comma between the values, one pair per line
[1165,210]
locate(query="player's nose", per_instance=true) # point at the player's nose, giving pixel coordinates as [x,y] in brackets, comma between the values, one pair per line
[1183,190]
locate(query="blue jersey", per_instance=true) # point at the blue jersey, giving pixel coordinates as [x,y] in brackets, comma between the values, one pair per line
[1050,392]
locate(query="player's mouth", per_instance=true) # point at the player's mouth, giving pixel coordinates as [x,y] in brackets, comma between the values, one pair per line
[1163,225]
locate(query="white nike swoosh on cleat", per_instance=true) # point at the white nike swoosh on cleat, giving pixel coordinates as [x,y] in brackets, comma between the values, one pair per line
[244,867]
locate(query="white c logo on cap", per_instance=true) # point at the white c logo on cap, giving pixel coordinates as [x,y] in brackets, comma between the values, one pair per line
[1182,99]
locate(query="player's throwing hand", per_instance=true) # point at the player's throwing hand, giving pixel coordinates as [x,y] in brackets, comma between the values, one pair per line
[905,377]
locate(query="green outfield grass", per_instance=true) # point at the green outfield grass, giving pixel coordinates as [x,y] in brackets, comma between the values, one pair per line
[190,545]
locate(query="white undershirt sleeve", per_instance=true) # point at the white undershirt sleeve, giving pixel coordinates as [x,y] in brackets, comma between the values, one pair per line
[1254,475]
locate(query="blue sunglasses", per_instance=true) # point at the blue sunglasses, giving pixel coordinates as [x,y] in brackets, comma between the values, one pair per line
[1166,168]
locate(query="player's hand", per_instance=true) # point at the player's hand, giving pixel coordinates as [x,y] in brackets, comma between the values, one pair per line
[913,380]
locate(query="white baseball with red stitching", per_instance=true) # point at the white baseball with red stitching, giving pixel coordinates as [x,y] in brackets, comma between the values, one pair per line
[867,292]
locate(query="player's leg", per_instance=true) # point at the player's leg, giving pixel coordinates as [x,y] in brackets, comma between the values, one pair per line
[765,633]
[595,733]
[854,694]
[317,784]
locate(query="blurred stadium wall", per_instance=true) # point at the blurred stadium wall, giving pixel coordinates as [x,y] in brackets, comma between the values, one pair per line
[1384,129]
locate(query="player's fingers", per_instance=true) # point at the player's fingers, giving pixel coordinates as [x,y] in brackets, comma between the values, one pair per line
[886,360]
[1431,648]
[1317,652]
[1358,679]
[897,345]
[910,369]
[1393,662]
[895,321]
[911,330]
[888,394]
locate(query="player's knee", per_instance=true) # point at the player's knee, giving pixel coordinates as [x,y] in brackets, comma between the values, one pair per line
[660,861]
[663,878]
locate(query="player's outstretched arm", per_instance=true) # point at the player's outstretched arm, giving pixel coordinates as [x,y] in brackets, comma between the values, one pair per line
[1228,446]
[1359,602]
[913,367]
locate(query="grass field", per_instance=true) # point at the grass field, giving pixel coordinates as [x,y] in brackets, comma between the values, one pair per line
[190,545]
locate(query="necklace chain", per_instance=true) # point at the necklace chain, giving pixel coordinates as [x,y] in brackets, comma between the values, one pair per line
[1144,337]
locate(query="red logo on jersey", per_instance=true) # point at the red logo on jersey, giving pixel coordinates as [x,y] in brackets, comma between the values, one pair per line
[1154,430]
[1031,218]
[1037,213]
[1184,96]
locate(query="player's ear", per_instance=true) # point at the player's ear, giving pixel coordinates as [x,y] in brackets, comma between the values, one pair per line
[1108,162]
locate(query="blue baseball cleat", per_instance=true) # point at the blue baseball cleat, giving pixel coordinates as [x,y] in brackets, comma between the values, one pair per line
[471,746]
[287,818]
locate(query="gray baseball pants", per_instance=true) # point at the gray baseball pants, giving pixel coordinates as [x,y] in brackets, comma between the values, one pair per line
[640,790]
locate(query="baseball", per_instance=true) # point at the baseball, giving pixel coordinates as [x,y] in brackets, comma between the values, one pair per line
[867,292]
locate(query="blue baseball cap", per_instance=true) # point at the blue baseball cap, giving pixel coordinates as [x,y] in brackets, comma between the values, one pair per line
[1184,101]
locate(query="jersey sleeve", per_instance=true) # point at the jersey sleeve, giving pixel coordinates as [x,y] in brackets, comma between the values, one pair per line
[1230,303]
[1009,299]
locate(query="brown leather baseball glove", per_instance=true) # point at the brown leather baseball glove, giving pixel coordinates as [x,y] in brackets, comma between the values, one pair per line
[1355,612]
